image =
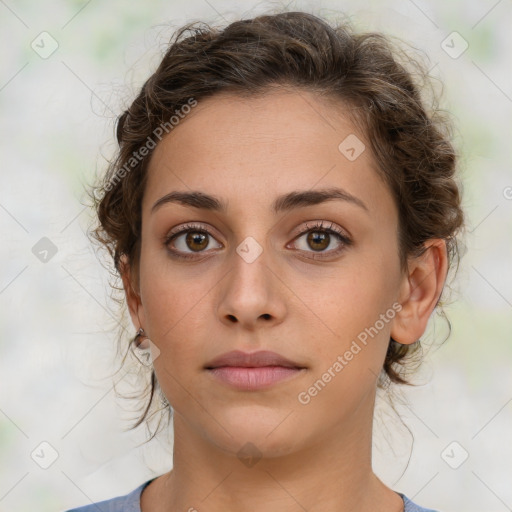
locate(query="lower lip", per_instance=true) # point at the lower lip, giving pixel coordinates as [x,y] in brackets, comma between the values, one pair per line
[253,378]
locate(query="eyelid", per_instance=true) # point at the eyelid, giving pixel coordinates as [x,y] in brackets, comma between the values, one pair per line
[183,229]
[318,225]
[327,226]
[343,237]
[184,255]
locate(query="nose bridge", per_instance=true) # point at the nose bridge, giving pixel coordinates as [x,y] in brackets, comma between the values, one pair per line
[249,292]
[250,269]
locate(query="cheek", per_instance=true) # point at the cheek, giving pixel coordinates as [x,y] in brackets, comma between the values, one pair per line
[358,312]
[175,309]
[348,360]
[176,312]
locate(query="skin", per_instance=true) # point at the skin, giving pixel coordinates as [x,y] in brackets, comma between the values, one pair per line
[314,457]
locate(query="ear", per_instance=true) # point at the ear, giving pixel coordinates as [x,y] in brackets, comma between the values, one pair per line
[132,294]
[420,292]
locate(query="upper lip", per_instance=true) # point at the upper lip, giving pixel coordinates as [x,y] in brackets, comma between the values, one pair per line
[251,360]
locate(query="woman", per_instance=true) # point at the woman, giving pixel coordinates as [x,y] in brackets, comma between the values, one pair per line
[283,213]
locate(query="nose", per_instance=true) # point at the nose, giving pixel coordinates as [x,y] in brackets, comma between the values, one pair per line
[252,294]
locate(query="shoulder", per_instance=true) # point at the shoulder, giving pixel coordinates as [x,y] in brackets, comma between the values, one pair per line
[410,506]
[127,503]
[131,503]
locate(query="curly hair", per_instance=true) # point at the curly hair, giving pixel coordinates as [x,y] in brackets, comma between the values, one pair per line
[410,142]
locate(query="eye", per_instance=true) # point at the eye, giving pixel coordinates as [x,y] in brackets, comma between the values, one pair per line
[189,240]
[319,238]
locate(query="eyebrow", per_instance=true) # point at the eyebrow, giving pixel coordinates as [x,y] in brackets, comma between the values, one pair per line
[284,203]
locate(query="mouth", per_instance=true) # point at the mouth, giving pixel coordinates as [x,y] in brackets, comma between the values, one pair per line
[253,371]
[246,378]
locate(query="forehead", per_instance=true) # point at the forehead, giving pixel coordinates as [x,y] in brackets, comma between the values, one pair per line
[250,149]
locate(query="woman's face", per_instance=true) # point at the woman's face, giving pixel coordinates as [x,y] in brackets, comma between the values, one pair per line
[266,277]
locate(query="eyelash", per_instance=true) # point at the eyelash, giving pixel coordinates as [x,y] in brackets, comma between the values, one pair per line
[317,227]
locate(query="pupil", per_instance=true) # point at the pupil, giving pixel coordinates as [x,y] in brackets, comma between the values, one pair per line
[199,238]
[316,239]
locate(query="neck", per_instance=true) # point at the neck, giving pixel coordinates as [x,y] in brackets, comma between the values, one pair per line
[331,473]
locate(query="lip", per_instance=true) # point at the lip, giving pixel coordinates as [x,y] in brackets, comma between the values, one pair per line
[258,359]
[253,371]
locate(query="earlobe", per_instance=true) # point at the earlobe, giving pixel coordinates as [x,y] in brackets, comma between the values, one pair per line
[420,292]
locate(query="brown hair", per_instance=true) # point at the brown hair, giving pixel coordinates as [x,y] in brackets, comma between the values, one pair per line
[366,72]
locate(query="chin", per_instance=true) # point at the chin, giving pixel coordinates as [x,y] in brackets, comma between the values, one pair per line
[255,429]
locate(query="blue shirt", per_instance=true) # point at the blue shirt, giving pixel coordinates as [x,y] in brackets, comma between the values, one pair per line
[131,503]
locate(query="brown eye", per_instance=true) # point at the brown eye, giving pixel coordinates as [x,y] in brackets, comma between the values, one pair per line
[190,239]
[196,241]
[318,241]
